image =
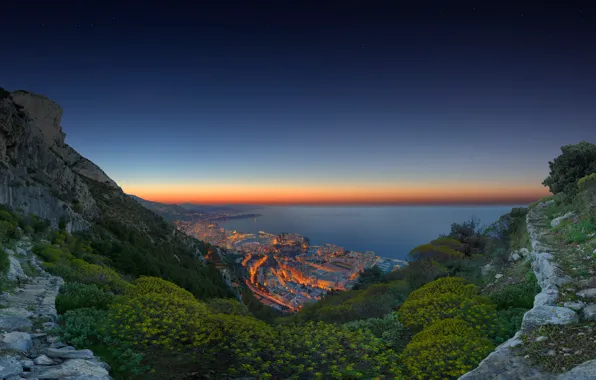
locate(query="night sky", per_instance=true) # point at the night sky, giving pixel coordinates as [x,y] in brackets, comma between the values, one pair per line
[299,102]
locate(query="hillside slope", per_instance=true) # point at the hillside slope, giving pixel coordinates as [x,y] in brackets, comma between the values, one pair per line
[41,174]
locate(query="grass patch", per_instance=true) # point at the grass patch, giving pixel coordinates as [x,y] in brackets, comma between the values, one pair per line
[565,347]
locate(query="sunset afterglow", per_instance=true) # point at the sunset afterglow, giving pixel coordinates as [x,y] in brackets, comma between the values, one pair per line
[271,194]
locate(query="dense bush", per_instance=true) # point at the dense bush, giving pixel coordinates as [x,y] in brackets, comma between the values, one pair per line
[445,350]
[4,261]
[85,328]
[438,253]
[375,301]
[76,295]
[444,298]
[388,328]
[419,272]
[519,295]
[153,285]
[77,270]
[575,162]
[587,182]
[227,306]
[508,323]
[82,327]
[244,346]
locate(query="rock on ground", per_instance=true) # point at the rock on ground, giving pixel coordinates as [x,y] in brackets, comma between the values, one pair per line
[548,315]
[67,353]
[12,323]
[74,368]
[587,293]
[17,341]
[585,371]
[10,366]
[589,312]
[556,221]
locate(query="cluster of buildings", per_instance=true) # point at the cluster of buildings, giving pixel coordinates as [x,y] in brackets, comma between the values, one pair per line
[285,271]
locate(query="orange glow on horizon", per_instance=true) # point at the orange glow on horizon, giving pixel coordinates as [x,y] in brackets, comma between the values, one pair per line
[435,193]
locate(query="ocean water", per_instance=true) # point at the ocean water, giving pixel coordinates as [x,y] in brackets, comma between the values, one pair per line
[389,231]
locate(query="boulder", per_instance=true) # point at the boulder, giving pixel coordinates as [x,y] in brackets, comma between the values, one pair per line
[486,269]
[556,221]
[10,366]
[584,371]
[514,256]
[75,369]
[17,341]
[12,323]
[548,315]
[67,353]
[587,293]
[547,296]
[15,272]
[589,312]
[577,306]
[27,364]
[525,252]
[43,360]
[15,312]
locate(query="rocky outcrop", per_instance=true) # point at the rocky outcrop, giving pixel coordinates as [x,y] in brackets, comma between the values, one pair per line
[503,363]
[26,350]
[39,172]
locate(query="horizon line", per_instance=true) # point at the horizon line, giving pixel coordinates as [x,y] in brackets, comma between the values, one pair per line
[459,202]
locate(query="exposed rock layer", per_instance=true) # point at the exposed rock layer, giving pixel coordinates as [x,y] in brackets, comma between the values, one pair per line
[39,172]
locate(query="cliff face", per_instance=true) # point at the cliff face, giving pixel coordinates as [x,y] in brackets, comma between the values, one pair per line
[39,172]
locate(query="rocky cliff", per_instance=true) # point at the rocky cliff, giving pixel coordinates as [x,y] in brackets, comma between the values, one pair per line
[39,172]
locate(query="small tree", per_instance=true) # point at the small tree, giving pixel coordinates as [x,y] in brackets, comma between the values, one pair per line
[575,162]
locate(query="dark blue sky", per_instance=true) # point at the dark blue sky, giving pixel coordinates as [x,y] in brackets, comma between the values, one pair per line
[299,96]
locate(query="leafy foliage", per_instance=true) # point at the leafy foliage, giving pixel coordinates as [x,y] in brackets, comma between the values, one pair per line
[587,182]
[76,295]
[444,298]
[517,295]
[375,301]
[4,262]
[446,349]
[575,162]
[388,328]
[244,346]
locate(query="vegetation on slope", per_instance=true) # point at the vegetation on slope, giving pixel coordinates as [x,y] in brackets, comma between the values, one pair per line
[572,180]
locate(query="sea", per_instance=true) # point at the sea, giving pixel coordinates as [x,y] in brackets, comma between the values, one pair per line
[389,231]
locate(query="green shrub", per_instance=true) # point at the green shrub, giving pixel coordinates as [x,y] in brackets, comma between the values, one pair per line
[587,182]
[227,306]
[76,295]
[517,295]
[48,253]
[438,253]
[6,230]
[77,270]
[85,328]
[576,162]
[445,350]
[5,215]
[419,273]
[28,230]
[508,323]
[444,298]
[4,261]
[82,327]
[154,285]
[388,328]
